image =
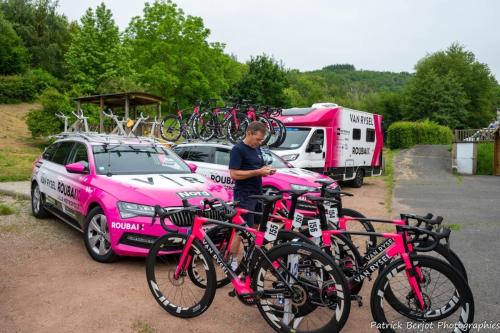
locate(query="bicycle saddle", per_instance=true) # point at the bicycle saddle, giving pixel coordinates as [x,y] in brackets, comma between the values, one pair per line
[266,198]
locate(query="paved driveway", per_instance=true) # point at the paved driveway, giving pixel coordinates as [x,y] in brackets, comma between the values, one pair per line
[425,183]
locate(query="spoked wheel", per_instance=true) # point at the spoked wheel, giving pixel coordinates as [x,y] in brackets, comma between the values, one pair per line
[447,299]
[204,126]
[269,128]
[176,293]
[314,296]
[236,128]
[171,128]
[278,133]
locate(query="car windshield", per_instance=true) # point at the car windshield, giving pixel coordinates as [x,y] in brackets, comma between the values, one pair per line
[136,159]
[273,160]
[295,137]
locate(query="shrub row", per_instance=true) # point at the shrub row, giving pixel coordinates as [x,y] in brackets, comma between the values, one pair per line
[25,88]
[404,134]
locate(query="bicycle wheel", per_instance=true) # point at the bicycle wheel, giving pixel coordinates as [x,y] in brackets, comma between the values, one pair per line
[347,257]
[440,252]
[442,288]
[320,298]
[204,126]
[236,128]
[180,297]
[221,120]
[269,128]
[171,128]
[278,132]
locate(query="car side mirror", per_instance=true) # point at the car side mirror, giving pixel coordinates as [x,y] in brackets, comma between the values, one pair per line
[77,167]
[193,167]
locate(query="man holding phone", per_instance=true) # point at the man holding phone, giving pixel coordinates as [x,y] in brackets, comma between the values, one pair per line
[246,167]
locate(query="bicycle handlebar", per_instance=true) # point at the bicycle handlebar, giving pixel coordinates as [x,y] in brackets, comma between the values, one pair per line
[436,236]
[228,211]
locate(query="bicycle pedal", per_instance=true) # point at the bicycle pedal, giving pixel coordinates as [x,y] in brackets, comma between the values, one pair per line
[358,299]
[232,293]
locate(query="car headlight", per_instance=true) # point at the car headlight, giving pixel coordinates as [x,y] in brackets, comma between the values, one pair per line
[303,188]
[128,210]
[290,157]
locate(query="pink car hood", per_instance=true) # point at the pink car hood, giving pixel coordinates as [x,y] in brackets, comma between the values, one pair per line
[155,189]
[298,176]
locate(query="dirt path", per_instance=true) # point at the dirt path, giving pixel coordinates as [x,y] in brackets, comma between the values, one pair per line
[49,283]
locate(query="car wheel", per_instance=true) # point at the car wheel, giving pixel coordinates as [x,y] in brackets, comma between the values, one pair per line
[97,237]
[37,202]
[358,180]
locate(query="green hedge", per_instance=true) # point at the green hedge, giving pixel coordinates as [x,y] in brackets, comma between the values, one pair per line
[25,88]
[404,134]
[485,158]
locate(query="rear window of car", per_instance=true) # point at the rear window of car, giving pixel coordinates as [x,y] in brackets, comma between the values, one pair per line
[136,159]
[62,152]
[49,151]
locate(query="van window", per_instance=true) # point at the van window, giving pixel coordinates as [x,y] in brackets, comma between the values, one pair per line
[356,134]
[370,135]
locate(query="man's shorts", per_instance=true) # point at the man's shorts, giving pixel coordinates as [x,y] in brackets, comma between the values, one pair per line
[250,204]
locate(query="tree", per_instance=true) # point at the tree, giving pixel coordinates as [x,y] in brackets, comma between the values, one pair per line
[44,32]
[13,55]
[452,86]
[265,82]
[173,58]
[96,54]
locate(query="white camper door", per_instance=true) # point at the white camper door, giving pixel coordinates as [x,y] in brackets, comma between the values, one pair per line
[316,149]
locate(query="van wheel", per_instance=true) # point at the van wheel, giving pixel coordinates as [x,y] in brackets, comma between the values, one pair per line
[358,180]
[96,236]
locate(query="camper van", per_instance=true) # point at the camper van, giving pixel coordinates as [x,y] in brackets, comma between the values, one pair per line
[342,143]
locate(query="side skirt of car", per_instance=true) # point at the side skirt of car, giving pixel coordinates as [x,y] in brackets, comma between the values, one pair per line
[64,217]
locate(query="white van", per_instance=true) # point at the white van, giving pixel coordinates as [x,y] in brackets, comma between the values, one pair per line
[342,143]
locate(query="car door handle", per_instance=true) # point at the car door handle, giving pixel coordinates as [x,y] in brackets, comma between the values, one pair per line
[324,154]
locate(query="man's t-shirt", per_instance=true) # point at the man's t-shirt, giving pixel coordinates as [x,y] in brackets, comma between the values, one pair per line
[244,157]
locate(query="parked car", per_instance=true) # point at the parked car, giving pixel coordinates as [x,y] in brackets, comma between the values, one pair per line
[212,160]
[107,187]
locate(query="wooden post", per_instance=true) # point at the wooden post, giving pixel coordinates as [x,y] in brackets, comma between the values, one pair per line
[126,106]
[101,115]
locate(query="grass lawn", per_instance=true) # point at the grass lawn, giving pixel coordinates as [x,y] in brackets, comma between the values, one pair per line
[17,149]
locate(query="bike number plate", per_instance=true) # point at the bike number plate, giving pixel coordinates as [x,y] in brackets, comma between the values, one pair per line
[271,231]
[314,228]
[298,218]
[332,213]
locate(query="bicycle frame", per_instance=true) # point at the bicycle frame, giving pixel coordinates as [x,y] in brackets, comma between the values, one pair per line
[241,285]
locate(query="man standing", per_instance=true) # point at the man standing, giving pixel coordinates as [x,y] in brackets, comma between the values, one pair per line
[246,167]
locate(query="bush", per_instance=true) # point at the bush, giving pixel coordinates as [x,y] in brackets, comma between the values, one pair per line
[404,134]
[44,122]
[25,88]
[485,158]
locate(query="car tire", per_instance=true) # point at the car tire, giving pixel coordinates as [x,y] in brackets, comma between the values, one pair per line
[37,202]
[358,179]
[97,237]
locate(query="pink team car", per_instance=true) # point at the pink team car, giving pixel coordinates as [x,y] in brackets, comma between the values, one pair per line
[107,187]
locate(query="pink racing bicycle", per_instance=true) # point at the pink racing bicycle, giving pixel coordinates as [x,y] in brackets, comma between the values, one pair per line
[291,283]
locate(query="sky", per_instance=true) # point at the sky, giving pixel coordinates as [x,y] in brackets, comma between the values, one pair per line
[381,35]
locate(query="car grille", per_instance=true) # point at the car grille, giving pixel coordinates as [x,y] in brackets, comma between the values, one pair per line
[186,219]
[182,219]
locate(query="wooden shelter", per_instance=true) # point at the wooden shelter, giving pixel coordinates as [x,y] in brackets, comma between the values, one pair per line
[127,100]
